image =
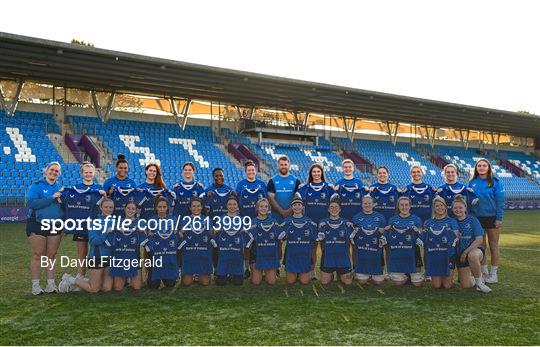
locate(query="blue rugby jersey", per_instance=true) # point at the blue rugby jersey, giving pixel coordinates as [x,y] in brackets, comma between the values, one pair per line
[284,189]
[438,239]
[401,239]
[421,196]
[385,196]
[163,244]
[469,228]
[147,197]
[231,245]
[351,192]
[185,191]
[121,196]
[335,239]
[248,194]
[316,197]
[196,249]
[125,246]
[80,202]
[265,233]
[217,203]
[449,191]
[365,238]
[114,182]
[300,234]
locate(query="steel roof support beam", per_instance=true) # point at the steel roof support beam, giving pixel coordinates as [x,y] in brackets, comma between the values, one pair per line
[103,113]
[464,137]
[349,131]
[392,132]
[11,106]
[185,114]
[306,119]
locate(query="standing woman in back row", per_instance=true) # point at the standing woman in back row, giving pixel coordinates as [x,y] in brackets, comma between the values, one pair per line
[42,202]
[489,211]
[384,194]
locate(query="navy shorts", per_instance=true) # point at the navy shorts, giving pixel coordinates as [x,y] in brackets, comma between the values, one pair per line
[33,227]
[460,265]
[487,222]
[80,238]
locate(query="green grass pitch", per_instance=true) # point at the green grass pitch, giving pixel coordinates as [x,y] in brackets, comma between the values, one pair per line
[279,315]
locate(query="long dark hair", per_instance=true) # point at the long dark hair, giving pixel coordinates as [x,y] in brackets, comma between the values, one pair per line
[319,166]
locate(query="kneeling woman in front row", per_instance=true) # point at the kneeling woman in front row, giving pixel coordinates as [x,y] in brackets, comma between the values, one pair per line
[401,235]
[265,252]
[162,243]
[300,233]
[196,249]
[439,239]
[231,243]
[334,236]
[469,250]
[99,252]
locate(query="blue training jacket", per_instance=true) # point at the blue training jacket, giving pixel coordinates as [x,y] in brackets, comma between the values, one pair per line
[40,201]
[490,199]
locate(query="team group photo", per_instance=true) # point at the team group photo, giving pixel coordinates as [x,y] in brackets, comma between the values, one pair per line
[150,197]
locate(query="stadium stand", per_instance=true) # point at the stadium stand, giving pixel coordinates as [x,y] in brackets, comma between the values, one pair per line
[465,159]
[398,159]
[27,148]
[165,144]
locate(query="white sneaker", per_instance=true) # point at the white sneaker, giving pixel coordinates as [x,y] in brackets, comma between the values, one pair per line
[491,278]
[63,286]
[36,289]
[74,287]
[481,287]
[428,278]
[51,288]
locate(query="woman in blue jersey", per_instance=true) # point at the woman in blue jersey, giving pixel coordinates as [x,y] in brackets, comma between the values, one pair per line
[250,190]
[469,252]
[439,240]
[300,233]
[98,259]
[162,245]
[121,179]
[43,204]
[125,244]
[195,246]
[452,187]
[489,211]
[216,196]
[265,250]
[420,193]
[350,190]
[401,235]
[316,194]
[186,190]
[367,239]
[81,202]
[232,243]
[151,189]
[334,236]
[384,193]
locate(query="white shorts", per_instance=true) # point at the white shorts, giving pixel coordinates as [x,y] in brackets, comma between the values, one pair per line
[365,277]
[416,277]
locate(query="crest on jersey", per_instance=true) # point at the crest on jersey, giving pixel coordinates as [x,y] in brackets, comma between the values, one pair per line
[408,238]
[205,238]
[357,195]
[237,240]
[341,233]
[87,198]
[426,197]
[133,240]
[444,239]
[323,196]
[392,199]
[306,233]
[271,235]
[171,243]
